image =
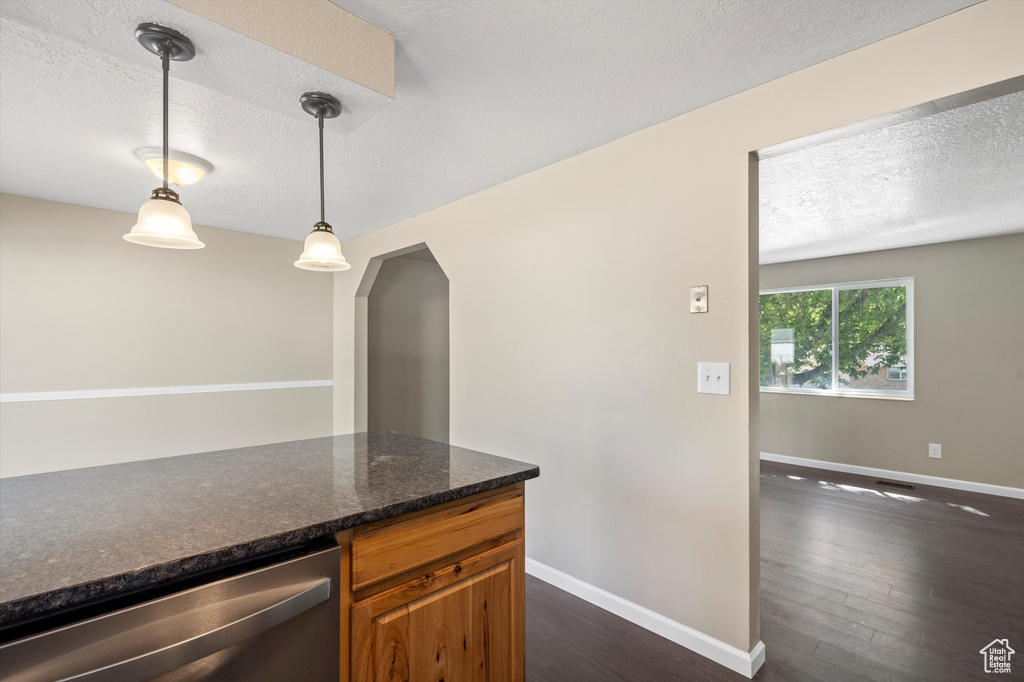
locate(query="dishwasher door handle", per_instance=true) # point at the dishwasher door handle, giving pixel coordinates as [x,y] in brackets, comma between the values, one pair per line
[165,659]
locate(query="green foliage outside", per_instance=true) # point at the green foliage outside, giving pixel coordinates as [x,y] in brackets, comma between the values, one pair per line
[872,335]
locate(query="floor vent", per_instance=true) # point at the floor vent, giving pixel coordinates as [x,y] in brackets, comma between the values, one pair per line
[893,484]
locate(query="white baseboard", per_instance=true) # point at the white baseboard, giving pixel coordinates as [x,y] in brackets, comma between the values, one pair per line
[739,661]
[970,486]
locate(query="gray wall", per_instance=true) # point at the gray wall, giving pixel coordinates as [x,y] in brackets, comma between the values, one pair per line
[407,349]
[969,364]
[82,309]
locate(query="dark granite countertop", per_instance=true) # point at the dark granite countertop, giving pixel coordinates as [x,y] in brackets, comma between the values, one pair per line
[72,537]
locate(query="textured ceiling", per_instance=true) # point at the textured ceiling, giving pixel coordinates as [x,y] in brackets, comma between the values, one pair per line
[954,175]
[226,62]
[486,90]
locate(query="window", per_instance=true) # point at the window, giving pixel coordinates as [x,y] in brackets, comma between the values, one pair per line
[842,339]
[896,374]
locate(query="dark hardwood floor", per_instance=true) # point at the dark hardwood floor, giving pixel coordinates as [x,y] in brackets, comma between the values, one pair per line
[858,582]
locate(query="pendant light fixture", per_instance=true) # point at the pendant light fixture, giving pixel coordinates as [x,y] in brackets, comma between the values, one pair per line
[163,221]
[322,250]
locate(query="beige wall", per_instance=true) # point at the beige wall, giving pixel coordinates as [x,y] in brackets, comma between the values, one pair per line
[407,349]
[968,362]
[572,347]
[82,309]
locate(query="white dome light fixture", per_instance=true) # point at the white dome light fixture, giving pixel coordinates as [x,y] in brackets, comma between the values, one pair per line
[163,221]
[185,169]
[322,250]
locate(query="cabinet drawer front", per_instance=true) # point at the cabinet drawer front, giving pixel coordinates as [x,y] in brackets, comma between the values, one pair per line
[387,550]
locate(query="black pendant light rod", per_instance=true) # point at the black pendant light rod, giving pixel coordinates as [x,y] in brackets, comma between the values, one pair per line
[167,72]
[167,44]
[320,119]
[321,105]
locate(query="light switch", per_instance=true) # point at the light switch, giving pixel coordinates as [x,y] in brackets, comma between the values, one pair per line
[713,377]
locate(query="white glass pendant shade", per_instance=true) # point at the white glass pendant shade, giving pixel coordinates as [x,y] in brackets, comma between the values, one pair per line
[322,251]
[165,223]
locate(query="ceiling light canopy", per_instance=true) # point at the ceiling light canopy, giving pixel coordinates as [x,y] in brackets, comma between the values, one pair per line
[163,221]
[185,169]
[322,250]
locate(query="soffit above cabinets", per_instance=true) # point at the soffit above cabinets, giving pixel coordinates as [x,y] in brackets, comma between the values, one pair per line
[318,32]
[958,174]
[485,91]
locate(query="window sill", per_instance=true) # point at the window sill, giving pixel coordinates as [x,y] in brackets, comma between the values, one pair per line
[838,394]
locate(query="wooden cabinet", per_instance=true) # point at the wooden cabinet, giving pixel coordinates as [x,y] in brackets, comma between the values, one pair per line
[461,623]
[439,594]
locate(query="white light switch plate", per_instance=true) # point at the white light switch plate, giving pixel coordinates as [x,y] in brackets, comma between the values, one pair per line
[935,450]
[713,377]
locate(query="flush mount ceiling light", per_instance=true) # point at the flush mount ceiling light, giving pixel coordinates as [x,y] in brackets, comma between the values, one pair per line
[322,250]
[185,169]
[163,221]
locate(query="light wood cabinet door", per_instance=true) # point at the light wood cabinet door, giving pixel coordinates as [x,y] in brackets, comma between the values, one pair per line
[462,623]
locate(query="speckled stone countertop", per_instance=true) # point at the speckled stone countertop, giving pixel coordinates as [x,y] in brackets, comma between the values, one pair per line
[72,537]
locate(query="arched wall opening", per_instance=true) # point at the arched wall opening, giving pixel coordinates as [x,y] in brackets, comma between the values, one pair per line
[402,345]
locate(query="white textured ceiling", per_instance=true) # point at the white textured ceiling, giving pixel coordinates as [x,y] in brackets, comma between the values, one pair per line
[486,90]
[953,175]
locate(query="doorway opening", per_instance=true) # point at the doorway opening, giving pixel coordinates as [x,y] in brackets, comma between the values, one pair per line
[886,280]
[402,324]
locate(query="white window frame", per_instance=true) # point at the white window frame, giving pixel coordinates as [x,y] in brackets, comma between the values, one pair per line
[836,389]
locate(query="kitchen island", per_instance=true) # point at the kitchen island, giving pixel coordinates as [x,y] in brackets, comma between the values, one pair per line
[430,538]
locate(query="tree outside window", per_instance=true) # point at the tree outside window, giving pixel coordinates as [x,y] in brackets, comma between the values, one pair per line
[840,338]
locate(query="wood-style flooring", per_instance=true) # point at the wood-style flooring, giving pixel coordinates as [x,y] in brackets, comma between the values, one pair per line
[859,582]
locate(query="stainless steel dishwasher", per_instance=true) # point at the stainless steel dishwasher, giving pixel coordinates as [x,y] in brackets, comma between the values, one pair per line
[281,622]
